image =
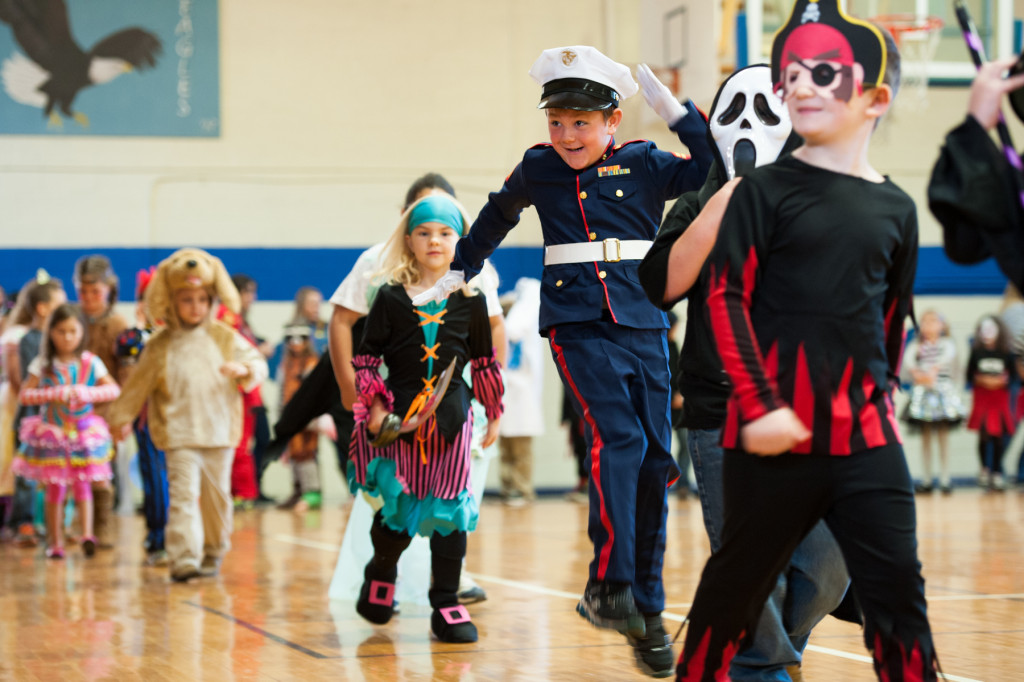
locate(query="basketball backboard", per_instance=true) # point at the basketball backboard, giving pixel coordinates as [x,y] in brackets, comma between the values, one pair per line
[950,64]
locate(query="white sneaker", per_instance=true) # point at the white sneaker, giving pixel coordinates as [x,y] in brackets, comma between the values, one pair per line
[469,591]
[983,478]
[998,482]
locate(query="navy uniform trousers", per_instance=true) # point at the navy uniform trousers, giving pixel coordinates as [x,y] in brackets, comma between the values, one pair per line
[619,381]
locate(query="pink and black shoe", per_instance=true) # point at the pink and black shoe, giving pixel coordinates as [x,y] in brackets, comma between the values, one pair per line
[452,624]
[55,552]
[377,597]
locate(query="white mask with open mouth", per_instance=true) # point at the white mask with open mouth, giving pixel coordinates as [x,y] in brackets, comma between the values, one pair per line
[749,123]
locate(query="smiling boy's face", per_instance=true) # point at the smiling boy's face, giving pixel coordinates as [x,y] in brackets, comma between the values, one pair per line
[581,137]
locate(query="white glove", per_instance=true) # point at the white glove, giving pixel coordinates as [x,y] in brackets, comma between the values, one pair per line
[658,96]
[449,282]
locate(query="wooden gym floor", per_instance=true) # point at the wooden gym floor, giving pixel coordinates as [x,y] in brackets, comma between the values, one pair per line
[267,617]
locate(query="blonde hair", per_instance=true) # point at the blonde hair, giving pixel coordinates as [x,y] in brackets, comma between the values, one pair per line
[943,323]
[397,264]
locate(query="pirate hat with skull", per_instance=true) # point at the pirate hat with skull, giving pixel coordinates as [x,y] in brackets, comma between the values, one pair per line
[819,30]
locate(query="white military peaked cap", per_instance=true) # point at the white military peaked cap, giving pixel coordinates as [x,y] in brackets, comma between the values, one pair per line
[580,77]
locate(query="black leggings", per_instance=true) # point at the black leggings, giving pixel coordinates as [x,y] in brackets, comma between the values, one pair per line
[771,503]
[998,443]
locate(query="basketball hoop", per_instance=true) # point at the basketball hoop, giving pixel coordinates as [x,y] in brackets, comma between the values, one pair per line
[917,38]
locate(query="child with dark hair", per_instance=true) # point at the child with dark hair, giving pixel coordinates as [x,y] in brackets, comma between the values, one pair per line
[152,460]
[36,301]
[600,204]
[989,370]
[96,286]
[67,444]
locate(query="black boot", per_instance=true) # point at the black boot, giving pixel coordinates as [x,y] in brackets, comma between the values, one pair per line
[653,651]
[377,596]
[450,621]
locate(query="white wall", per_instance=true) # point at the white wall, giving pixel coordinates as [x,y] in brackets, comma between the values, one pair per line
[329,109]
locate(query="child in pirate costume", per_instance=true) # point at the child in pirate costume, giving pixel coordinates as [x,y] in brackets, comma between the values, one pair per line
[810,281]
[749,127]
[600,204]
[422,475]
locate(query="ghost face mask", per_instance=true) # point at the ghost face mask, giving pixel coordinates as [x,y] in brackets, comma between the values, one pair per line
[749,123]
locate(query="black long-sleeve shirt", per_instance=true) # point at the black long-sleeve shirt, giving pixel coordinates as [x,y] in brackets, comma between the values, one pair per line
[809,285]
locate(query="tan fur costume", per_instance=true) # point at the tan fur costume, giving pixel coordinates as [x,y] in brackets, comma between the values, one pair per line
[191,404]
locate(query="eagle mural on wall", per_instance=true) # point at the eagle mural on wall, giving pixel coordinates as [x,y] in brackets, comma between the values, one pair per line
[56,68]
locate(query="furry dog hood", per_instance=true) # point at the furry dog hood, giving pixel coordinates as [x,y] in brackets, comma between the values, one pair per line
[188,268]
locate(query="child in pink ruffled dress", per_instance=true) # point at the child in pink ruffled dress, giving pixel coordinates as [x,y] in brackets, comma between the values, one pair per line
[66,445]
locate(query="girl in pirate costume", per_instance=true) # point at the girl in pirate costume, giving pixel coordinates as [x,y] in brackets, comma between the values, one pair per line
[422,475]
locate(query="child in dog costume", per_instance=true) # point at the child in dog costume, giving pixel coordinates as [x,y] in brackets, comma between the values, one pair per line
[190,373]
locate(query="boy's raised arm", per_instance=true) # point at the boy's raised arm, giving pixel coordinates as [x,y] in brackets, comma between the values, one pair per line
[685,120]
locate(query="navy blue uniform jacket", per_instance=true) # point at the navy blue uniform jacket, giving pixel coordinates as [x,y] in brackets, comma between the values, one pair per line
[621,196]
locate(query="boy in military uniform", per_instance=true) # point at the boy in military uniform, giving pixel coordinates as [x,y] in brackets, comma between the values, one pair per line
[600,204]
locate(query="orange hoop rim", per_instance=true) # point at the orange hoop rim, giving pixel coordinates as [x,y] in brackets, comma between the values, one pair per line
[898,24]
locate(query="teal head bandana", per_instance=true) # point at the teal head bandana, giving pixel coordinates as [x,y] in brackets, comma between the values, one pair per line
[436,208]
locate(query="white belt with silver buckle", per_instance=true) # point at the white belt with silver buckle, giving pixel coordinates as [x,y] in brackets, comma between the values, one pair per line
[609,251]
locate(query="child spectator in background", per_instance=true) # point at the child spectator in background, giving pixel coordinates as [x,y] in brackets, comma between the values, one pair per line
[306,313]
[988,372]
[66,445]
[41,297]
[246,467]
[1012,315]
[932,365]
[14,325]
[524,393]
[191,374]
[299,358]
[96,286]
[151,459]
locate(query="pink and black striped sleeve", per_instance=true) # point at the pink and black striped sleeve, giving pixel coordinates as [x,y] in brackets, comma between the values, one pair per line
[488,387]
[41,396]
[368,357]
[734,274]
[899,297]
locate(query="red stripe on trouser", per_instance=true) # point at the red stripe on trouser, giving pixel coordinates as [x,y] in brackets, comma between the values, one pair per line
[595,461]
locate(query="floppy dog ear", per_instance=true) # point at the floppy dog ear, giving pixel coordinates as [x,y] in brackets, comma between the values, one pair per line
[158,296]
[225,288]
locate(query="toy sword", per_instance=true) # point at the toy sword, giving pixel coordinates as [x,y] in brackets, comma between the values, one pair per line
[392,426]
